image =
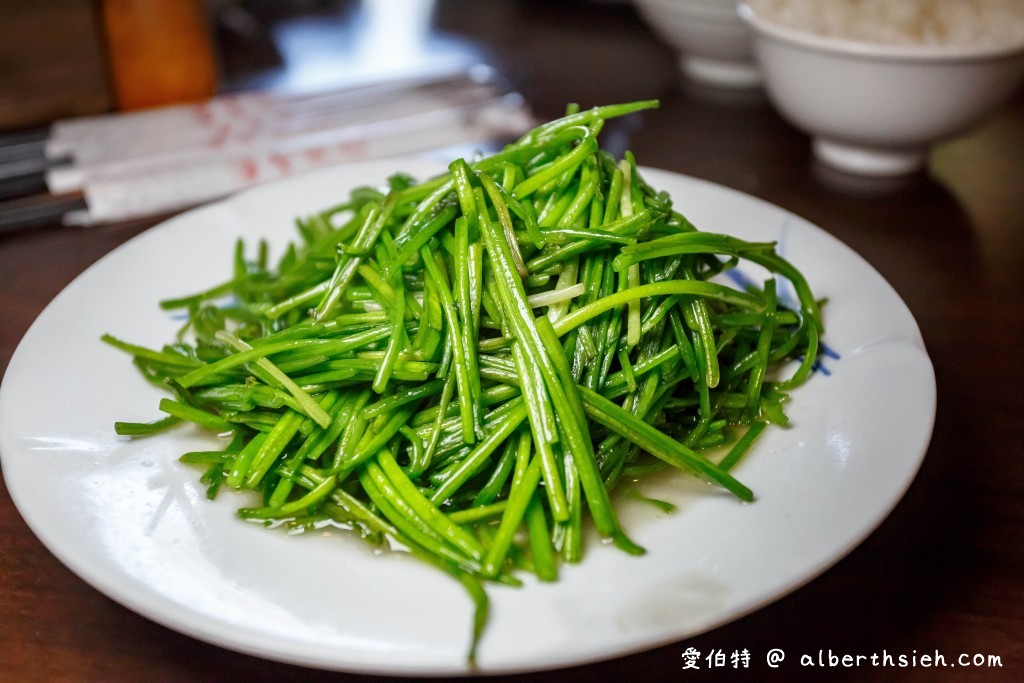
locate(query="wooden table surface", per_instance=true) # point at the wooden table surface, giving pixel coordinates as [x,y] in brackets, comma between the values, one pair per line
[944,572]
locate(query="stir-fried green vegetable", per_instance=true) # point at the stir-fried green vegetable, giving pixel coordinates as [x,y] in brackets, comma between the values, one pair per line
[469,365]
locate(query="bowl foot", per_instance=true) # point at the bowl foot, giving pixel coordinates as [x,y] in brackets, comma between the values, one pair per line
[721,73]
[870,161]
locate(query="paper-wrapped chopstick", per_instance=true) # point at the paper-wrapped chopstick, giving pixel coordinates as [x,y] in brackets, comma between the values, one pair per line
[146,163]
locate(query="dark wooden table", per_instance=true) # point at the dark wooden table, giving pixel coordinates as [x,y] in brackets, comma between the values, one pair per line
[945,571]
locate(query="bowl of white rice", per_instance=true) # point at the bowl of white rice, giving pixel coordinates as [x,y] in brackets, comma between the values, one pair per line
[877,82]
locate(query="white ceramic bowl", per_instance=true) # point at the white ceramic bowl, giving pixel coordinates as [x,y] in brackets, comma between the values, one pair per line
[714,45]
[875,109]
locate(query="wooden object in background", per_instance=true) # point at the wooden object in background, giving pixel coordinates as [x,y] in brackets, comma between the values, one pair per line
[51,62]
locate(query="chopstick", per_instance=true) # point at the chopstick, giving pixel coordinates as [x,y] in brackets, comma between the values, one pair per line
[24,200]
[120,166]
[25,144]
[37,211]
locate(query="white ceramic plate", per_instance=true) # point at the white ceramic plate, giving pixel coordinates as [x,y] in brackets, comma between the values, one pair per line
[133,522]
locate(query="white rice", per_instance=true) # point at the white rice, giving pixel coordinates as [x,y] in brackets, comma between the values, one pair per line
[956,23]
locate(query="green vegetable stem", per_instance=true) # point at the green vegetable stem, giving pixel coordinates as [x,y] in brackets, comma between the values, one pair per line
[471,364]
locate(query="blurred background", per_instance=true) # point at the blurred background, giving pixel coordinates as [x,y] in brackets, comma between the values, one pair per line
[298,84]
[295,84]
[101,55]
